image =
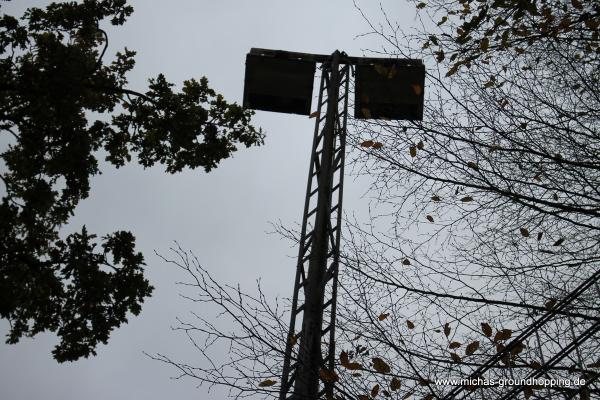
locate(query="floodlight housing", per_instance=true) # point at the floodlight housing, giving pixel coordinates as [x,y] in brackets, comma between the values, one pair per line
[389,89]
[275,81]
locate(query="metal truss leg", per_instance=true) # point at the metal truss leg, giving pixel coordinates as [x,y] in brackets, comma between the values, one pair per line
[308,371]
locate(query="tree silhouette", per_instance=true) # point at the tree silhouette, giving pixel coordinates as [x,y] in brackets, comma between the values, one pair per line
[480,256]
[62,103]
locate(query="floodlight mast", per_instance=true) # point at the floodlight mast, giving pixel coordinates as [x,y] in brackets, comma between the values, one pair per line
[310,360]
[310,354]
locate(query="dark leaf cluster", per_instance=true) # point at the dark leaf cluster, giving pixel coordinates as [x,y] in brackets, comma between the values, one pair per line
[60,105]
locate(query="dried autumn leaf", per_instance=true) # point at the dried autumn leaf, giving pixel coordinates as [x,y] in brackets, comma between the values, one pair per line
[293,340]
[539,236]
[429,397]
[417,89]
[592,24]
[528,392]
[367,143]
[413,151]
[473,165]
[429,218]
[375,391]
[466,199]
[382,316]
[353,366]
[436,198]
[577,4]
[386,393]
[454,345]
[377,145]
[472,348]
[564,23]
[363,397]
[410,324]
[484,44]
[406,396]
[524,232]
[328,376]
[535,365]
[395,384]
[504,334]
[421,5]
[344,359]
[573,369]
[420,145]
[406,261]
[456,358]
[594,365]
[550,304]
[517,348]
[314,114]
[453,69]
[486,329]
[267,383]
[559,242]
[380,366]
[439,56]
[447,329]
[494,147]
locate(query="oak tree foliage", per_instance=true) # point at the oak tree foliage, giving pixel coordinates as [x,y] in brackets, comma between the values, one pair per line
[62,103]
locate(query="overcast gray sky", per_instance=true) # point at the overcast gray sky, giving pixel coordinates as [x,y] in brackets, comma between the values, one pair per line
[223,217]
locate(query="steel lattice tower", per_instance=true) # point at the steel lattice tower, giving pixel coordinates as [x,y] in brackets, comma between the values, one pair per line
[315,287]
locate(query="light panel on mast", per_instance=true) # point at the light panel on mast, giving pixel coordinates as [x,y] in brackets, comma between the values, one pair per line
[391,89]
[275,81]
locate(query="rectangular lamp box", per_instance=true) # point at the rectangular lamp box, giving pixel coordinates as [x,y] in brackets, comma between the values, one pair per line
[390,90]
[276,83]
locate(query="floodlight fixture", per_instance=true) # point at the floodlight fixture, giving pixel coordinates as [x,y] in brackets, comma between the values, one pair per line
[275,82]
[393,89]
